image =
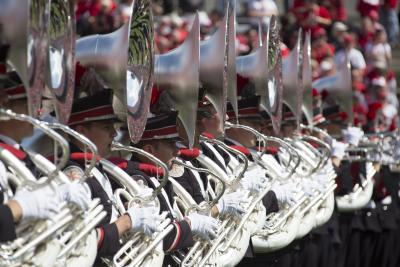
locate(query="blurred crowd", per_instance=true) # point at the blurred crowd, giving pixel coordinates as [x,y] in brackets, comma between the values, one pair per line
[368,41]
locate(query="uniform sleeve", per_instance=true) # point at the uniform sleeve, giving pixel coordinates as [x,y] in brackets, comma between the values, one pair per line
[179,238]
[344,179]
[270,202]
[190,184]
[7,228]
[108,241]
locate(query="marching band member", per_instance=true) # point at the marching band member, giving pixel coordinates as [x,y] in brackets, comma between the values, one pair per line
[159,139]
[250,116]
[93,117]
[27,205]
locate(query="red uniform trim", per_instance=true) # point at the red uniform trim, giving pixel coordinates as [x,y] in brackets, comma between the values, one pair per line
[91,113]
[147,134]
[177,237]
[101,237]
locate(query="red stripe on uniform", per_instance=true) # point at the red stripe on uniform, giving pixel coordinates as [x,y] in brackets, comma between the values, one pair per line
[177,237]
[101,237]
[159,132]
[92,113]
[3,68]
[248,111]
[17,90]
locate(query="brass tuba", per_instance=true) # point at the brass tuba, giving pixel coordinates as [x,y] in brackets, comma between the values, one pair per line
[340,87]
[178,71]
[28,43]
[272,101]
[307,106]
[292,79]
[60,65]
[124,59]
[214,56]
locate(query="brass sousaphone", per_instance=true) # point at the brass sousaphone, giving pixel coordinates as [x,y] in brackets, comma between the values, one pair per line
[61,57]
[177,72]
[307,106]
[124,59]
[339,86]
[24,27]
[292,80]
[214,54]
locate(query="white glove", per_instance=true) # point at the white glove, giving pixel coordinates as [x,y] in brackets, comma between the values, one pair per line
[322,180]
[230,203]
[310,186]
[204,226]
[286,193]
[352,135]
[3,176]
[338,149]
[253,180]
[76,193]
[145,191]
[145,219]
[41,203]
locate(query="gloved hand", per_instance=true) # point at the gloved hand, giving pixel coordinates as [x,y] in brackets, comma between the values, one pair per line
[286,193]
[320,182]
[145,191]
[310,186]
[253,180]
[145,219]
[41,203]
[338,149]
[204,226]
[76,193]
[230,203]
[352,135]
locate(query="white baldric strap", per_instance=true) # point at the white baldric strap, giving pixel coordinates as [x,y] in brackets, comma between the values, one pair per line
[218,155]
[105,183]
[156,184]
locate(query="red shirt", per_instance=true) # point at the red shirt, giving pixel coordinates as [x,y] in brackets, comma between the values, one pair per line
[338,10]
[392,4]
[321,51]
[365,8]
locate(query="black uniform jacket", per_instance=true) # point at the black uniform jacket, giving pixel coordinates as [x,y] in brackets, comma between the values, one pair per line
[181,236]
[7,227]
[108,243]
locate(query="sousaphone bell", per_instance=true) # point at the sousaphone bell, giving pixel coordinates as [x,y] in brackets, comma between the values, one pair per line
[339,86]
[292,80]
[24,27]
[124,59]
[177,71]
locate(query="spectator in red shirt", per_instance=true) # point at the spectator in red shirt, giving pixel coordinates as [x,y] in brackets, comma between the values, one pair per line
[367,32]
[366,6]
[337,10]
[320,48]
[310,15]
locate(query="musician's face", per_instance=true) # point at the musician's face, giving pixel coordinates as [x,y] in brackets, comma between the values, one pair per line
[245,137]
[165,150]
[211,124]
[101,133]
[333,128]
[287,130]
[24,129]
